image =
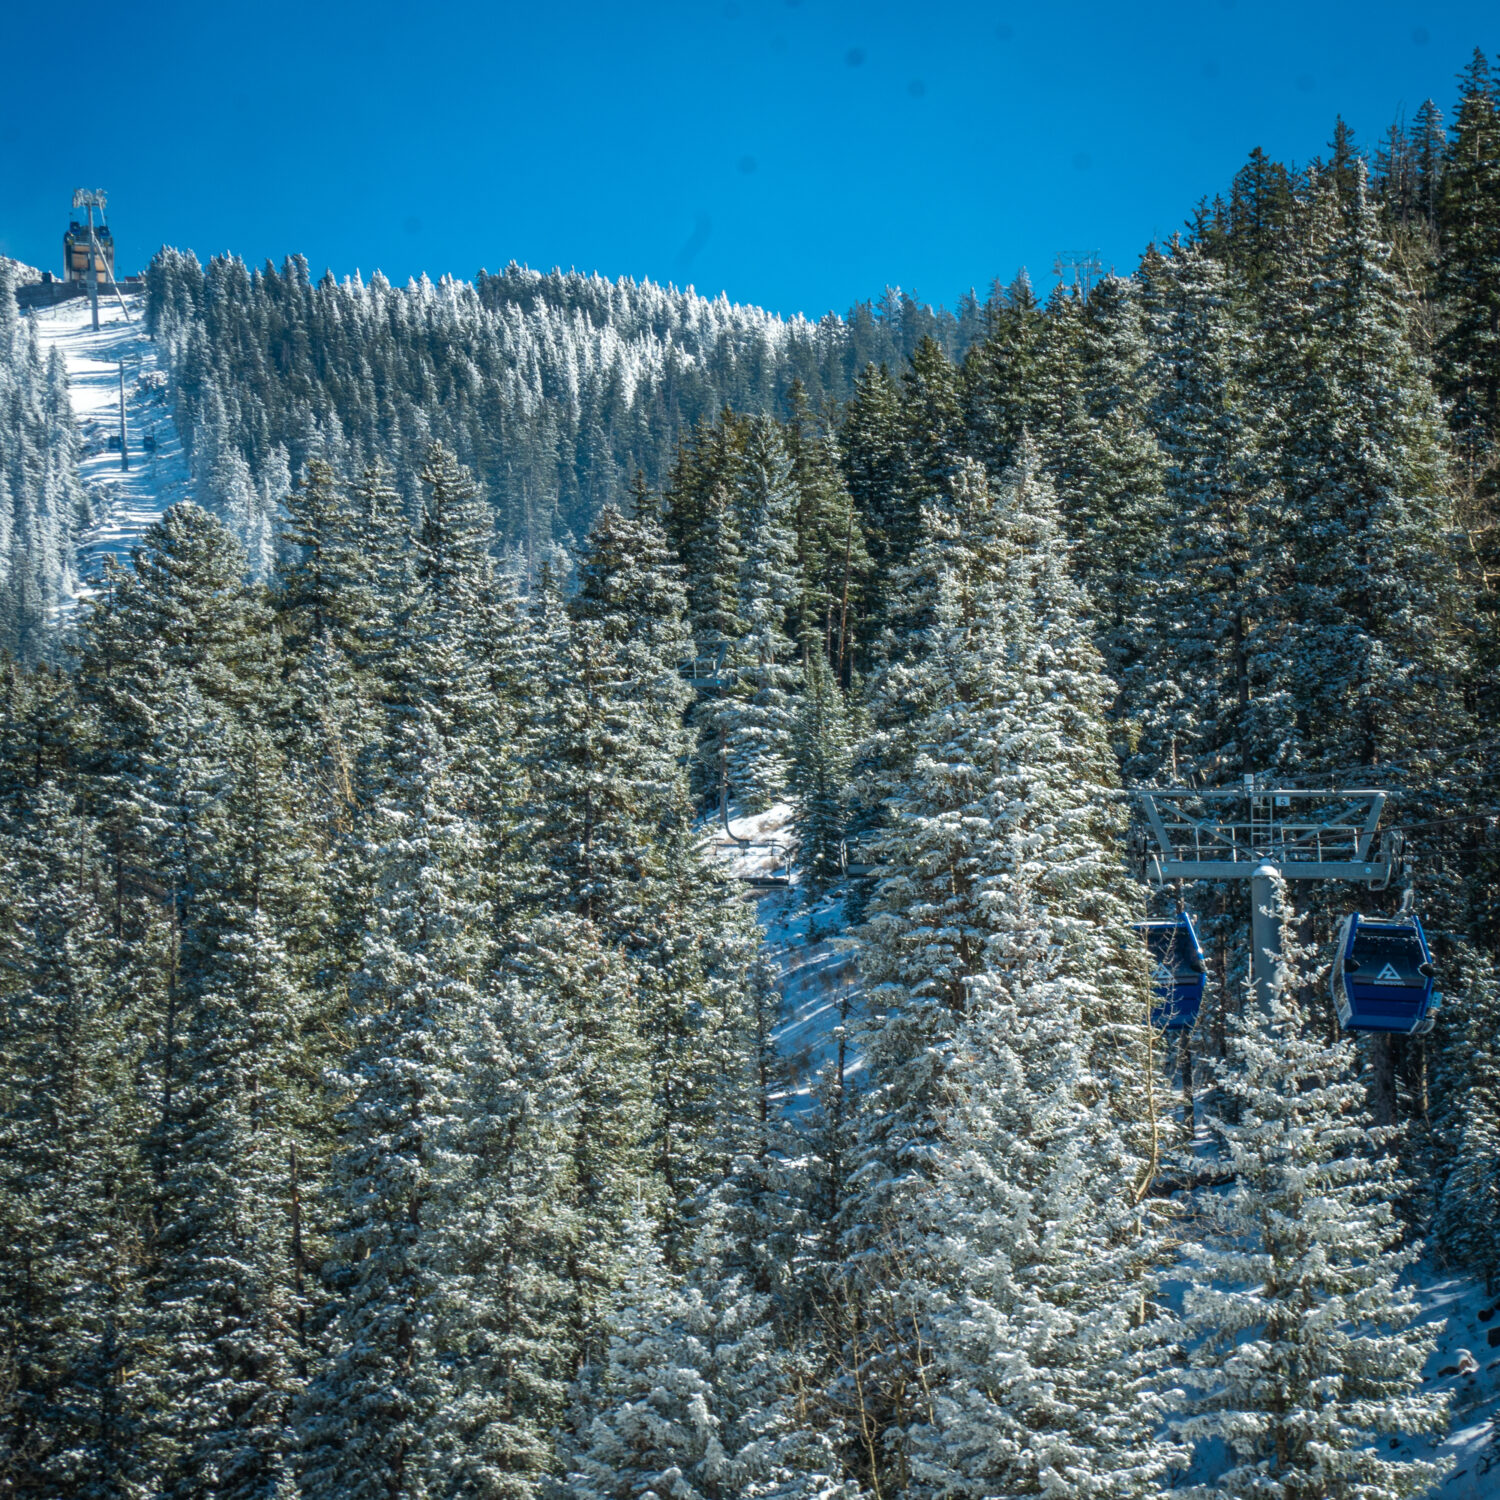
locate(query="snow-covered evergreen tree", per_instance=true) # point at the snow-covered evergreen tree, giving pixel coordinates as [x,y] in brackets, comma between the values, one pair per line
[1467,204]
[1361,649]
[393,1179]
[228,1291]
[42,502]
[822,741]
[1111,487]
[503,1313]
[832,562]
[759,710]
[1005,1005]
[689,1402]
[71,1187]
[1467,1219]
[1000,373]
[1304,1353]
[400,1171]
[1200,703]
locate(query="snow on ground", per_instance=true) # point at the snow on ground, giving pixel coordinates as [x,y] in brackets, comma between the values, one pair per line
[818,975]
[125,501]
[804,942]
[1474,1410]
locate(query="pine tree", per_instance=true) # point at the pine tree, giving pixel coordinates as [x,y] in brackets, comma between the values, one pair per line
[1365,657]
[1260,202]
[71,1190]
[393,1179]
[820,775]
[1000,374]
[1468,281]
[1465,186]
[1197,703]
[832,562]
[1428,141]
[871,457]
[758,731]
[1304,1350]
[423,958]
[317,583]
[688,1403]
[999,926]
[605,736]
[606,1145]
[1467,1220]
[503,1308]
[1111,486]
[228,1294]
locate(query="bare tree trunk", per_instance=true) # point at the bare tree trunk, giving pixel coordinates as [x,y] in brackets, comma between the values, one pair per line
[1380,1077]
[1185,1061]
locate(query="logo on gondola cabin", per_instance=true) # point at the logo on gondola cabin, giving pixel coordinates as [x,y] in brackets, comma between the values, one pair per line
[1388,975]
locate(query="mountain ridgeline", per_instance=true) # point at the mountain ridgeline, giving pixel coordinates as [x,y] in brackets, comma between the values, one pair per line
[554,390]
[391,1104]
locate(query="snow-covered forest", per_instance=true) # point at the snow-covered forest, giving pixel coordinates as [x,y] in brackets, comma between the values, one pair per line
[395,1094]
[42,502]
[553,390]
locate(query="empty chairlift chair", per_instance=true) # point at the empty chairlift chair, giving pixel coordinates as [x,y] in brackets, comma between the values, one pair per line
[1382,975]
[1178,973]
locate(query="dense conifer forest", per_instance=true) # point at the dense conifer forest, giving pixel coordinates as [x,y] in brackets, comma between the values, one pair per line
[390,1102]
[42,503]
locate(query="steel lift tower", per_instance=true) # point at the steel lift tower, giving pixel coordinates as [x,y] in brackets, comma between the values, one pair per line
[1085,266]
[1257,831]
[88,199]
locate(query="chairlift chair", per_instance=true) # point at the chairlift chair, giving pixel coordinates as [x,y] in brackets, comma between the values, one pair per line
[1179,975]
[1382,976]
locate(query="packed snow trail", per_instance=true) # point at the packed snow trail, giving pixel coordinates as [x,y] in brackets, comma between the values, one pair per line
[805,944]
[125,501]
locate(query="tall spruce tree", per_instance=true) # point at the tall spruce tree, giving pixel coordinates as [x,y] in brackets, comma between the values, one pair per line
[1366,659]
[1199,695]
[759,712]
[72,1188]
[1468,280]
[823,746]
[691,1401]
[401,1171]
[228,1293]
[1000,926]
[1304,1351]
[1000,374]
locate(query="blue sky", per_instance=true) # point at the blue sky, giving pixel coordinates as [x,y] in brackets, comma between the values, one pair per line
[800,154]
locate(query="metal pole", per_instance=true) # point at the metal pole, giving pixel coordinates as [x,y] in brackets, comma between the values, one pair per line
[93,270]
[124,452]
[1265,935]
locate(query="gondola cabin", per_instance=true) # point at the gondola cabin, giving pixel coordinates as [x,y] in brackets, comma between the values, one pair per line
[1382,975]
[76,252]
[1178,973]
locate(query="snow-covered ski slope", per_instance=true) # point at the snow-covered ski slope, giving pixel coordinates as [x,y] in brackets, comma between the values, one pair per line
[125,501]
[805,946]
[1473,1384]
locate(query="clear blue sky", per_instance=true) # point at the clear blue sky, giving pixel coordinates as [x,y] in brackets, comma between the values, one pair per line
[796,153]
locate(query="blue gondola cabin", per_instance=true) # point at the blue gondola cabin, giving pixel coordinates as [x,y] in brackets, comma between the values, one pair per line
[1382,976]
[1179,975]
